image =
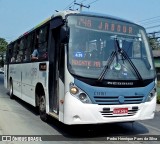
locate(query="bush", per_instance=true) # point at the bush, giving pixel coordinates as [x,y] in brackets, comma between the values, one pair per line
[158,99]
[158,92]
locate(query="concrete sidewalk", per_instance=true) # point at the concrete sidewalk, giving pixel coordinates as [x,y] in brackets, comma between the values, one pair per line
[158,107]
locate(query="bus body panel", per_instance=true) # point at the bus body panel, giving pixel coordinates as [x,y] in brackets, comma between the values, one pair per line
[25,77]
[27,86]
[61,99]
[15,74]
[5,76]
[75,112]
[130,95]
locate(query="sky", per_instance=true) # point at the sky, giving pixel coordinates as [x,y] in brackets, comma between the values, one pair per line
[19,16]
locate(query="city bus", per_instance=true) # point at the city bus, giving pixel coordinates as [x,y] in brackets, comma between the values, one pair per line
[91,69]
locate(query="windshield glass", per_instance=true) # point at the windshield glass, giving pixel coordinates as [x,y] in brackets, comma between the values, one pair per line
[93,41]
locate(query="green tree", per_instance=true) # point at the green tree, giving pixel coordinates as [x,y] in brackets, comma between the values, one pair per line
[3,47]
[154,43]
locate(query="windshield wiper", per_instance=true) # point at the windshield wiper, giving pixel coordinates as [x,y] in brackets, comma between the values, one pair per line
[125,55]
[110,60]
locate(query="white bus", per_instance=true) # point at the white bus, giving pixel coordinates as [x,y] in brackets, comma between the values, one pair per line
[91,68]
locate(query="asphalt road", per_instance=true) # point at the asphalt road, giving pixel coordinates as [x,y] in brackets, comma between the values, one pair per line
[19,118]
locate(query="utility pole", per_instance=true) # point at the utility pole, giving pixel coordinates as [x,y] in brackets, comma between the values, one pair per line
[81,6]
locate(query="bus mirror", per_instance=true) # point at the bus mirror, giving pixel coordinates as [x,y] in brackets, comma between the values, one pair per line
[56,22]
[64,34]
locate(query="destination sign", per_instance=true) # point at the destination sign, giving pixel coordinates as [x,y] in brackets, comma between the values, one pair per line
[107,25]
[86,63]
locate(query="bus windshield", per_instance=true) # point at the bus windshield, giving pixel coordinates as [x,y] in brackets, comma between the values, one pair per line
[96,45]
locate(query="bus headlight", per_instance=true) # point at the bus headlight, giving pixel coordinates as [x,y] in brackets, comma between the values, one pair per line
[83,97]
[151,95]
[79,94]
[74,90]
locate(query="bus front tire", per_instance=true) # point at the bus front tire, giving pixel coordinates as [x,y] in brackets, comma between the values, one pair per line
[11,90]
[42,109]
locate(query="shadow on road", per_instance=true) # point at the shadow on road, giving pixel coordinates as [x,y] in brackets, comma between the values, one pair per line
[98,130]
[27,106]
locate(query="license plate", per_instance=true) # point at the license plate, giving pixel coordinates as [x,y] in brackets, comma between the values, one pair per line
[120,110]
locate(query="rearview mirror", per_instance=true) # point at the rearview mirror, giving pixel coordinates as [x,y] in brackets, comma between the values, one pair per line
[56,22]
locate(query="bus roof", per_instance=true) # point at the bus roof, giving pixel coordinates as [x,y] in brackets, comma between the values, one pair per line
[106,16]
[64,13]
[67,12]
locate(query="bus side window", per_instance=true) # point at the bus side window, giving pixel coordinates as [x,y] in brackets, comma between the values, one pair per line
[35,47]
[11,57]
[28,48]
[14,52]
[20,50]
[43,42]
[8,54]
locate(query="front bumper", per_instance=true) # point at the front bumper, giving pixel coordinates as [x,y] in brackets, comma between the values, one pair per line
[76,112]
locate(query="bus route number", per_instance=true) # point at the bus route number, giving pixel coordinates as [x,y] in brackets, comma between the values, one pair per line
[85,22]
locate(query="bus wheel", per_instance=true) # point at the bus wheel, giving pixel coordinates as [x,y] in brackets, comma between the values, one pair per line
[11,90]
[42,108]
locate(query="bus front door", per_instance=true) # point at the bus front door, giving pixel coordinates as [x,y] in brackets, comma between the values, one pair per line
[53,72]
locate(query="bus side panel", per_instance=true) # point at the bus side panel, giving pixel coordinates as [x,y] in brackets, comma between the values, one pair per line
[15,75]
[43,80]
[28,88]
[68,79]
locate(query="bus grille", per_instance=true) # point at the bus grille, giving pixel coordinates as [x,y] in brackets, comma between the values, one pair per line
[113,100]
[109,114]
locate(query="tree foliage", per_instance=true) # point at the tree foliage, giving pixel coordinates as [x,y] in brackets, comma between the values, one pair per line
[154,43]
[3,45]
